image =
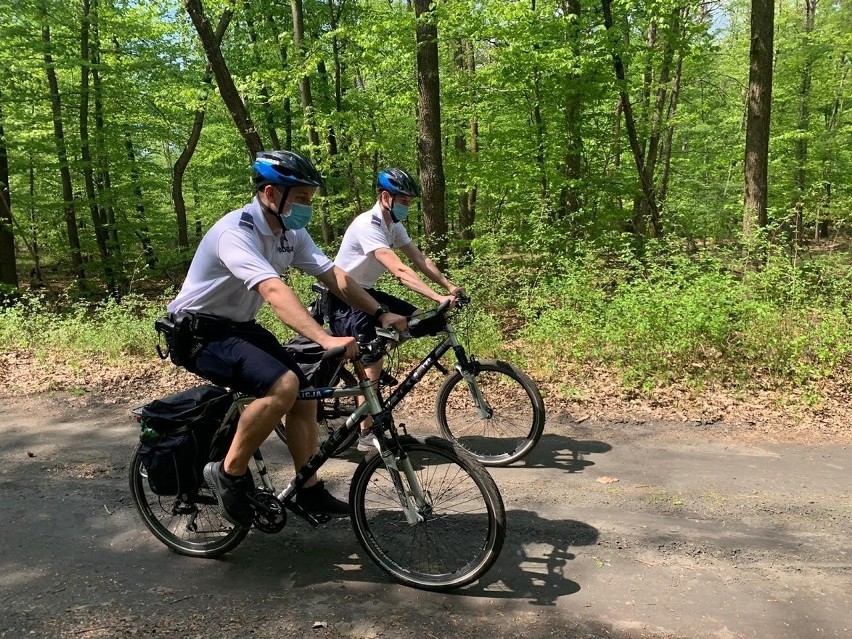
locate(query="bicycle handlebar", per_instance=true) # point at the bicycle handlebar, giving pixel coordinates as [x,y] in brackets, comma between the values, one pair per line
[335,353]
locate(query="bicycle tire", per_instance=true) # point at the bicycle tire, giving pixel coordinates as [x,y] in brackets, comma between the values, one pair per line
[462,533]
[332,414]
[170,518]
[517,420]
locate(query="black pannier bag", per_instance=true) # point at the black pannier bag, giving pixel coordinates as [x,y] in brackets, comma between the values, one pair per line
[180,434]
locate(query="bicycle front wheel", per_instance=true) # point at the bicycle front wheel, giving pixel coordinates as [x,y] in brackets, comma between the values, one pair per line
[507,427]
[332,413]
[188,524]
[462,519]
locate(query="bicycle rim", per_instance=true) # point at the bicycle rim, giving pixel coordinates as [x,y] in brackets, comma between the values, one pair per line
[513,427]
[464,519]
[189,525]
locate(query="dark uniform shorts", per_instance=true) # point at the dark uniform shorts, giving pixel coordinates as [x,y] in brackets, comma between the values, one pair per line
[346,321]
[249,360]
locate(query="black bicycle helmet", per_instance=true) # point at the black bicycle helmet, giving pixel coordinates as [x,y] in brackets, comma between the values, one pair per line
[397,182]
[284,168]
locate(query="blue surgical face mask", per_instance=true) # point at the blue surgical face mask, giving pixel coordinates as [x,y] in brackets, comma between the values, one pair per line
[400,211]
[298,217]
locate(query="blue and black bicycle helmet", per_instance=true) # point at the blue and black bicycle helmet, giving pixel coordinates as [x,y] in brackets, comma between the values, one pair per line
[284,168]
[397,182]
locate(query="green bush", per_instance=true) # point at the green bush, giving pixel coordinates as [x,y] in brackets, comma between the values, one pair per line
[677,317]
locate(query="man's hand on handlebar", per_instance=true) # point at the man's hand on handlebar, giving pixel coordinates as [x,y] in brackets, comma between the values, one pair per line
[348,343]
[450,300]
[399,322]
[458,292]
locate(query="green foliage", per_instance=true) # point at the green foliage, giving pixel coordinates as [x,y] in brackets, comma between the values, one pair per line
[108,331]
[670,317]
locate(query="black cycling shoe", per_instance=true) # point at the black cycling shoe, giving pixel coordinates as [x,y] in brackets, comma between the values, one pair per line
[232,494]
[316,500]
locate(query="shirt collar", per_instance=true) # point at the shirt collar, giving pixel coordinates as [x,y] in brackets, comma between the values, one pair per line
[259,218]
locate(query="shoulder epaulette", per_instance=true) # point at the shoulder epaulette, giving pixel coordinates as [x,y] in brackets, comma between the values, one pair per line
[246,220]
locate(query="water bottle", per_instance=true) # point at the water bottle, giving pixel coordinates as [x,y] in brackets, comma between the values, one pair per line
[148,434]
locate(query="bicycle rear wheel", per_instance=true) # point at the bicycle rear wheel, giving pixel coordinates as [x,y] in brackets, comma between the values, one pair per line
[464,521]
[332,414]
[188,524]
[515,413]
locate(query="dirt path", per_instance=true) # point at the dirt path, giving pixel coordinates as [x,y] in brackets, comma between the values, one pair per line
[701,536]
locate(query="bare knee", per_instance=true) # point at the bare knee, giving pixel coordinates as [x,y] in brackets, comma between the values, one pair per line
[282,395]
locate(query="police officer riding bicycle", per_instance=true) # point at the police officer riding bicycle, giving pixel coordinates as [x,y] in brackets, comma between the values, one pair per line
[237,267]
[368,250]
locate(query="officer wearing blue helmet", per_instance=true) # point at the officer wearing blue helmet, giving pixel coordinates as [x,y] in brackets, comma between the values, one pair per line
[368,250]
[236,268]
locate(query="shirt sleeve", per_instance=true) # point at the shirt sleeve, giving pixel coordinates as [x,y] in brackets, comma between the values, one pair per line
[240,256]
[371,236]
[307,256]
[401,237]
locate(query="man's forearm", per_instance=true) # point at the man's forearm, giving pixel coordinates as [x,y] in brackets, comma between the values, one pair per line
[431,271]
[290,310]
[339,283]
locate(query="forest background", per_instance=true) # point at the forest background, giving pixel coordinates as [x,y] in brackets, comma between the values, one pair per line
[649,201]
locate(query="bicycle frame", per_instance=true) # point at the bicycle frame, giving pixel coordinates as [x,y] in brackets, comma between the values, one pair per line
[465,367]
[413,501]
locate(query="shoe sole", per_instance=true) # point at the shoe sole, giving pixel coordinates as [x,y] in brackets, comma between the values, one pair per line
[208,478]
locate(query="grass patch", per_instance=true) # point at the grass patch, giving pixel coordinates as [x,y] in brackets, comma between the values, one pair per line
[667,317]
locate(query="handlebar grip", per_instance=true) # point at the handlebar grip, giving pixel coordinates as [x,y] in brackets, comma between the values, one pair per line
[335,353]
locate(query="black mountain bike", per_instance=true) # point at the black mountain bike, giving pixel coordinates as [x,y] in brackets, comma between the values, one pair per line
[425,511]
[491,408]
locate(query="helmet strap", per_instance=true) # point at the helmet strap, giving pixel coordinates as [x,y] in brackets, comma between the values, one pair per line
[277,212]
[393,199]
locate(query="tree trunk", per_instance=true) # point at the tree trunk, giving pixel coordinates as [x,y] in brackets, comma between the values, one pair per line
[656,125]
[264,92]
[759,111]
[467,231]
[180,166]
[465,63]
[62,155]
[666,153]
[307,101]
[429,154]
[647,82]
[104,183]
[183,160]
[616,150]
[142,233]
[538,123]
[288,114]
[825,214]
[227,88]
[804,124]
[571,202]
[33,246]
[99,224]
[8,262]
[630,125]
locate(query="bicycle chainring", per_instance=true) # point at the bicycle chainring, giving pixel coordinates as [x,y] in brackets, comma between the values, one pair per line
[269,514]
